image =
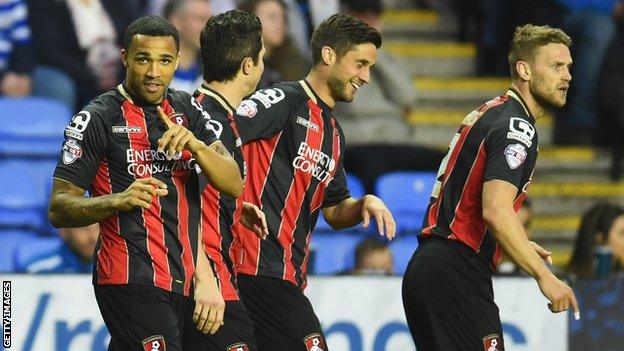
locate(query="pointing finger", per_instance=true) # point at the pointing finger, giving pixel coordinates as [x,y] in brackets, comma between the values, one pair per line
[164,118]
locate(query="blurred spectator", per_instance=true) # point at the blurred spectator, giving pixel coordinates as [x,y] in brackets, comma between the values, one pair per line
[379,113]
[602,225]
[80,39]
[282,59]
[16,57]
[506,265]
[373,257]
[74,256]
[610,125]
[156,7]
[189,17]
[592,28]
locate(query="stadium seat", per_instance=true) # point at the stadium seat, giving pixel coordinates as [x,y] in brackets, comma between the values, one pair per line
[407,196]
[32,127]
[333,252]
[357,190]
[28,251]
[402,249]
[10,239]
[25,196]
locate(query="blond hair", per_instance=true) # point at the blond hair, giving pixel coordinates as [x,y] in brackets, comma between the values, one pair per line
[528,38]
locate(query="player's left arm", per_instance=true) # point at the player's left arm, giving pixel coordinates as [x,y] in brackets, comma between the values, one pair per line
[215,161]
[342,211]
[351,211]
[209,303]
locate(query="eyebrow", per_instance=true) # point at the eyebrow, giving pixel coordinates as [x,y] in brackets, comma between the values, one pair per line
[144,53]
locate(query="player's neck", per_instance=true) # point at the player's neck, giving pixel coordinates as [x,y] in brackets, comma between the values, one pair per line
[318,82]
[523,89]
[230,90]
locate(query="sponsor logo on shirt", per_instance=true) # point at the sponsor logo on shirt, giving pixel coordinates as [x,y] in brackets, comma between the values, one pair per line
[492,342]
[71,151]
[314,342]
[268,97]
[144,163]
[521,130]
[314,161]
[241,346]
[154,343]
[126,129]
[308,124]
[515,154]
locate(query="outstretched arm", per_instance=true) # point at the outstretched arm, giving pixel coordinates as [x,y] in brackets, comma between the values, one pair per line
[350,212]
[69,208]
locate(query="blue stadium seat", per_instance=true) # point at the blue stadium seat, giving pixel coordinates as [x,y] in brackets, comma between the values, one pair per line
[10,239]
[402,249]
[29,251]
[356,187]
[25,195]
[333,253]
[407,195]
[32,127]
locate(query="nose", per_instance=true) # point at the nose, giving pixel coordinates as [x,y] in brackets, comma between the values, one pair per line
[154,70]
[365,76]
[567,76]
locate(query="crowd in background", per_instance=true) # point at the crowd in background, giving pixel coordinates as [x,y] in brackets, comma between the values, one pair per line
[69,51]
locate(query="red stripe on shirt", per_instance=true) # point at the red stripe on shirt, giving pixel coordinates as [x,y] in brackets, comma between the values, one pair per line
[112,257]
[296,194]
[151,217]
[261,152]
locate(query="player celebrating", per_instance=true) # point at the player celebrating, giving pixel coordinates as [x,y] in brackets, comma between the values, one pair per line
[295,148]
[481,184]
[135,147]
[232,52]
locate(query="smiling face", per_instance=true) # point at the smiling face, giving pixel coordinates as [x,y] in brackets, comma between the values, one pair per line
[351,71]
[550,75]
[150,63]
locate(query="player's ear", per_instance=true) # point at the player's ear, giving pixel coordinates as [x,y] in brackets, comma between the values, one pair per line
[247,65]
[524,70]
[124,57]
[328,55]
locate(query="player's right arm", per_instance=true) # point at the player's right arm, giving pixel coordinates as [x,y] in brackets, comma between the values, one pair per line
[69,208]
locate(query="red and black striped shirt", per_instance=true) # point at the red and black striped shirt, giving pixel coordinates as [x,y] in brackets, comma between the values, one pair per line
[218,210]
[496,141]
[110,144]
[294,148]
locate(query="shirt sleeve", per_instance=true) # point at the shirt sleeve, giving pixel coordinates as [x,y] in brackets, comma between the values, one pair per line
[264,114]
[507,152]
[337,189]
[85,143]
[202,125]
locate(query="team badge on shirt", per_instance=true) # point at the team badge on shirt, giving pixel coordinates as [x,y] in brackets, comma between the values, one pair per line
[154,343]
[314,342]
[247,108]
[241,346]
[492,342]
[71,151]
[515,154]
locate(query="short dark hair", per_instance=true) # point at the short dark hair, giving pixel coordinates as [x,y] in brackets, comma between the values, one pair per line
[342,32]
[366,247]
[153,26]
[529,38]
[226,40]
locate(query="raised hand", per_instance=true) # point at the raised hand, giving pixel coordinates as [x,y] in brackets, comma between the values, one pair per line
[373,207]
[139,194]
[176,138]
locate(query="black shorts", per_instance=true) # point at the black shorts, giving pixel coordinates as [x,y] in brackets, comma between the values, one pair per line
[236,333]
[283,317]
[448,299]
[141,317]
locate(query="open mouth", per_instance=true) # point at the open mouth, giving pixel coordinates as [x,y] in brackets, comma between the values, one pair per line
[152,87]
[355,85]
